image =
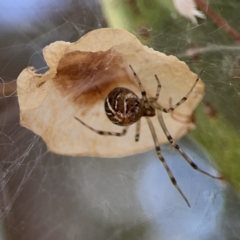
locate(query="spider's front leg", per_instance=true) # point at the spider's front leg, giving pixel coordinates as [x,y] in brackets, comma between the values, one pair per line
[167,110]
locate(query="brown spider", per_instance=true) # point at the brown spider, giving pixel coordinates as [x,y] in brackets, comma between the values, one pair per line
[123,107]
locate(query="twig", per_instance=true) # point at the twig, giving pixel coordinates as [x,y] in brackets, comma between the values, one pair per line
[218,20]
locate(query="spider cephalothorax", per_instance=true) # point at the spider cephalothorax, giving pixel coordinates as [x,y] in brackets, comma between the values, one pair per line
[124,108]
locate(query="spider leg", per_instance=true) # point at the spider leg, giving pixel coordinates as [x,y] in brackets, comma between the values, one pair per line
[138,126]
[158,88]
[188,118]
[167,110]
[158,150]
[143,92]
[176,146]
[144,95]
[117,134]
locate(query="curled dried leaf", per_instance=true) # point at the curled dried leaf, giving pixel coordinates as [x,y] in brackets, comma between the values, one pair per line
[79,78]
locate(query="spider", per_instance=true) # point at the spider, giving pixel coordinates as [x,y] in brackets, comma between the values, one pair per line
[123,107]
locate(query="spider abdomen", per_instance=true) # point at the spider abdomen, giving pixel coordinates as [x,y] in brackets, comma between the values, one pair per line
[123,107]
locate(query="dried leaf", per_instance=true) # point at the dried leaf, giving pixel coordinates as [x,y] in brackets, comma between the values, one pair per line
[80,77]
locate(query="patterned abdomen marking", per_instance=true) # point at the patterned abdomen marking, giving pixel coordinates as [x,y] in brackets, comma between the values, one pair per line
[123,107]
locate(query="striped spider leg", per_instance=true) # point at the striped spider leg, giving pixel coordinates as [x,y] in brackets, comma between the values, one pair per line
[105,133]
[182,118]
[124,108]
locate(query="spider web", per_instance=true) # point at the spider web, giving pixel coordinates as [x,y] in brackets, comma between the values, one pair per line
[45,196]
